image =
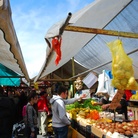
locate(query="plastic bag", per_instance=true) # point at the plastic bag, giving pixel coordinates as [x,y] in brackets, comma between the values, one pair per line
[122,70]
[101,81]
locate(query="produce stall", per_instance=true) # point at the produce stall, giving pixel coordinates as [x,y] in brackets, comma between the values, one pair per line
[86,120]
[92,122]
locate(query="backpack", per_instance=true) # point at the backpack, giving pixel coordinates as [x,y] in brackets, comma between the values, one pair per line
[24,114]
[24,111]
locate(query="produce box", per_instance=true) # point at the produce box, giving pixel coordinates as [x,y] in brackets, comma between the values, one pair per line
[84,129]
[72,133]
[97,132]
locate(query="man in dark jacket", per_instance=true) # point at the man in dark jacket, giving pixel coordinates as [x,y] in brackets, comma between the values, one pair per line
[6,115]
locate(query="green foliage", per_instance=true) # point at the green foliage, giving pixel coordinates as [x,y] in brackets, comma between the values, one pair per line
[74,105]
[85,104]
[70,106]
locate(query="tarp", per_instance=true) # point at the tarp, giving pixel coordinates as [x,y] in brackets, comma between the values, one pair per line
[10,51]
[96,55]
[6,77]
[96,15]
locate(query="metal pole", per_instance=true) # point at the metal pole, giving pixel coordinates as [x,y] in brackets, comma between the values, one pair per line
[73,74]
[101,31]
[65,24]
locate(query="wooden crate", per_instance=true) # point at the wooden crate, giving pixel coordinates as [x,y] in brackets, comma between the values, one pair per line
[72,133]
[134,111]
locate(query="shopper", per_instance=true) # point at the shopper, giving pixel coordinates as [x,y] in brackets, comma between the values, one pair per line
[60,121]
[43,112]
[31,124]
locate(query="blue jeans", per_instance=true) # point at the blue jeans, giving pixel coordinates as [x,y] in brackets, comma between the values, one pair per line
[61,132]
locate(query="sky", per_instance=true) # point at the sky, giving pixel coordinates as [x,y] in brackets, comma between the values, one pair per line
[32,19]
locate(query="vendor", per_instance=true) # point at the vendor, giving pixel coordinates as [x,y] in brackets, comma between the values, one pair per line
[78,86]
[121,108]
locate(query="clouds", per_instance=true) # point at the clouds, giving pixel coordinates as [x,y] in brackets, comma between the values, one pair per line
[32,19]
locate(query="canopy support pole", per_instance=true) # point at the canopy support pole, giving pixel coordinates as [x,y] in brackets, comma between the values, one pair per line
[56,80]
[65,23]
[73,74]
[73,67]
[101,31]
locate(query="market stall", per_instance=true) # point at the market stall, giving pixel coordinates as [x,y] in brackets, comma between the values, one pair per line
[94,15]
[91,121]
[87,120]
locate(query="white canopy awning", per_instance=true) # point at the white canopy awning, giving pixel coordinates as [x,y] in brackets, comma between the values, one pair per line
[96,15]
[10,51]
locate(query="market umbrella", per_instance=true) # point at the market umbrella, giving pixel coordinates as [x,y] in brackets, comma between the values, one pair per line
[96,15]
[10,51]
[8,77]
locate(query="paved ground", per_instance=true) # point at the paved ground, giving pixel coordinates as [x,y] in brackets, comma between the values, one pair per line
[40,136]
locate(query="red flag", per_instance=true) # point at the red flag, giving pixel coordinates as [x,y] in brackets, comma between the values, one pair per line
[56,44]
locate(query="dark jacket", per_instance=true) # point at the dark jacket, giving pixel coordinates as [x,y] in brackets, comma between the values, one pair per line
[6,117]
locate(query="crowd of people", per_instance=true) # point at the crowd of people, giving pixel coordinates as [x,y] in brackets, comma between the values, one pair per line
[11,103]
[30,107]
[33,109]
[37,111]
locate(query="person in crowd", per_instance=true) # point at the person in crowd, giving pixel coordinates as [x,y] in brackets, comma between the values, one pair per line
[16,99]
[31,116]
[22,102]
[103,100]
[43,112]
[121,108]
[128,94]
[78,86]
[10,94]
[60,120]
[7,109]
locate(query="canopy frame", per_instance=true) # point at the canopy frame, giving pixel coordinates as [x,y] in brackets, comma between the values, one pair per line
[101,31]
[94,31]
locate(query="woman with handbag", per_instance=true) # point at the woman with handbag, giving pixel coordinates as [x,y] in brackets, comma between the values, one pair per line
[31,116]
